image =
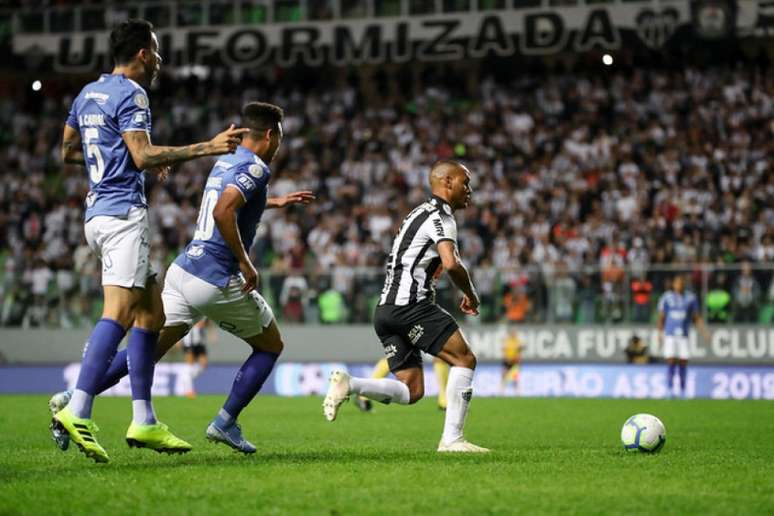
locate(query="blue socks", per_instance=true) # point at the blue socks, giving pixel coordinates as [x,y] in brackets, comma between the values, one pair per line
[117,370]
[247,383]
[97,355]
[140,360]
[671,376]
[683,377]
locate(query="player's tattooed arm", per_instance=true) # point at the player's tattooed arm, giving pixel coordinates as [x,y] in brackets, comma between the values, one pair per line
[302,197]
[146,155]
[225,215]
[72,150]
[452,262]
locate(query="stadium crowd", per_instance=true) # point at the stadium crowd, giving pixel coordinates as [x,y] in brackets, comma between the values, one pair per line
[588,191]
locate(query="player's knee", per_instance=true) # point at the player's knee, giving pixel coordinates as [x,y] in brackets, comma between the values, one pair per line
[153,322]
[157,323]
[416,393]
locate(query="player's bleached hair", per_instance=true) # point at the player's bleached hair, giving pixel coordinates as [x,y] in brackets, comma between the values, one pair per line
[260,116]
[127,38]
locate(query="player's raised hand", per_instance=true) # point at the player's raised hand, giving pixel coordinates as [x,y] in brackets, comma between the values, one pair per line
[301,197]
[227,141]
[469,305]
[249,274]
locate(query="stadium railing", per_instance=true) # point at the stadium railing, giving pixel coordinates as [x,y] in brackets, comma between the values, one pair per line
[727,293]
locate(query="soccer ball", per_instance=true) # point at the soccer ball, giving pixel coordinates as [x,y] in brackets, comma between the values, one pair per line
[643,432]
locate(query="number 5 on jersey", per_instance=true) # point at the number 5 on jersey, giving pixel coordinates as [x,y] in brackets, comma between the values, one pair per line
[91,138]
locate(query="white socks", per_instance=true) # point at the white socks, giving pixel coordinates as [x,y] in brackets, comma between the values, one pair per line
[80,404]
[142,412]
[383,390]
[459,393]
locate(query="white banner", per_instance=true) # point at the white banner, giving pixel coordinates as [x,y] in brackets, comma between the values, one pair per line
[441,37]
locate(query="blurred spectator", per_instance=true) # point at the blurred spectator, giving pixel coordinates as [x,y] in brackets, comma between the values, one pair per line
[516,303]
[333,309]
[611,263]
[293,298]
[636,351]
[641,292]
[718,300]
[562,295]
[746,294]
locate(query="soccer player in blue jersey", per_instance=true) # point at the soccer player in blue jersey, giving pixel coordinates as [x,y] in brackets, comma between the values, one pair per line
[677,309]
[214,276]
[108,131]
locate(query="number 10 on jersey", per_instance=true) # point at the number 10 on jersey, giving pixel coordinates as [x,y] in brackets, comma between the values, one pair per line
[205,224]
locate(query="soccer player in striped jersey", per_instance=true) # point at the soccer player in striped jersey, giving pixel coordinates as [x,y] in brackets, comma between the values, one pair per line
[407,319]
[108,131]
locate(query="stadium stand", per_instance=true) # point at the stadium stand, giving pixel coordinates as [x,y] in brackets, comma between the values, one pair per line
[590,190]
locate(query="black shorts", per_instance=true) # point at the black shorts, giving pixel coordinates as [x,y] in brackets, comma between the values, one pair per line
[405,331]
[196,349]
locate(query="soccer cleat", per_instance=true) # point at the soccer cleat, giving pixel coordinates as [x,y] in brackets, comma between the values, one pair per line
[364,404]
[461,446]
[57,402]
[83,432]
[156,437]
[338,393]
[230,436]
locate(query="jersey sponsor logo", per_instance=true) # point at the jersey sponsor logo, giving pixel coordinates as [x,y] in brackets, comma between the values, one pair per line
[99,98]
[245,182]
[195,251]
[256,171]
[438,227]
[223,164]
[214,182]
[141,101]
[390,351]
[416,333]
[677,314]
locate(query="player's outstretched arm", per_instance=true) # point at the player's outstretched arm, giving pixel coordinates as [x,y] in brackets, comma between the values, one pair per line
[225,215]
[146,155]
[450,258]
[72,149]
[302,197]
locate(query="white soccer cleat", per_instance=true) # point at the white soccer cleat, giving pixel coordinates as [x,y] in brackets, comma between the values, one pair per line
[57,402]
[338,393]
[461,446]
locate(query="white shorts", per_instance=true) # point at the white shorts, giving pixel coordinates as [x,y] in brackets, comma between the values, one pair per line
[676,347]
[123,245]
[187,299]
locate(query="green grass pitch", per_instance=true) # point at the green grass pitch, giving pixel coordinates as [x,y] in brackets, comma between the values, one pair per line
[549,456]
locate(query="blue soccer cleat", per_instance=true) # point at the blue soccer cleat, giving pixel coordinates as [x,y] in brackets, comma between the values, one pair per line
[57,402]
[230,436]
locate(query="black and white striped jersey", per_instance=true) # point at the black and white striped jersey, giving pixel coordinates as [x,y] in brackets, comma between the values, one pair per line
[414,258]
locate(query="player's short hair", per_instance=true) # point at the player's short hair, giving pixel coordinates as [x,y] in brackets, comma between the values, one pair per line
[261,116]
[127,38]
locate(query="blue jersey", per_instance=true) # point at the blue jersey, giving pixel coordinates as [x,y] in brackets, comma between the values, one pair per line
[678,310]
[208,256]
[105,109]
